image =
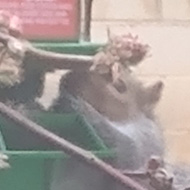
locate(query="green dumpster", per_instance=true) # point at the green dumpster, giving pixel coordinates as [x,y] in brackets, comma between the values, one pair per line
[32,159]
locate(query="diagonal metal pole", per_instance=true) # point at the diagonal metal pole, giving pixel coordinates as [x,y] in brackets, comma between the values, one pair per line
[64,61]
[78,153]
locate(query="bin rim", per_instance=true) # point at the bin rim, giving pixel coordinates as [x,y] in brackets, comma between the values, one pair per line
[52,154]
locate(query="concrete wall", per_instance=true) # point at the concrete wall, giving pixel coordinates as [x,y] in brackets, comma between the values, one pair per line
[165,25]
[141,9]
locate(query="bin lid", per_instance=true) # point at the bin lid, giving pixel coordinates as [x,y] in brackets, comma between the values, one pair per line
[47,20]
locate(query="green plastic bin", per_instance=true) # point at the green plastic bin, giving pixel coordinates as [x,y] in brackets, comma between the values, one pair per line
[85,48]
[32,159]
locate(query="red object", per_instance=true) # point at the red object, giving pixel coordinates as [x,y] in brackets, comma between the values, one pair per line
[46,19]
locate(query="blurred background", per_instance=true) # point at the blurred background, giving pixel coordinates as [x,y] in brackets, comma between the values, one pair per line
[165,26]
